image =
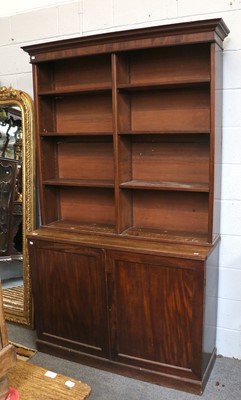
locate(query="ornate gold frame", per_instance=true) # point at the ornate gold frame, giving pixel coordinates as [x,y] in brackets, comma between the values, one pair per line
[11,96]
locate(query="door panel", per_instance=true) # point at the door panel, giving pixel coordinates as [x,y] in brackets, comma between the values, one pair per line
[153,311]
[73,310]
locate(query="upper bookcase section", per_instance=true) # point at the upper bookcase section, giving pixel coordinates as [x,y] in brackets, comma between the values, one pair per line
[213,30]
[128,129]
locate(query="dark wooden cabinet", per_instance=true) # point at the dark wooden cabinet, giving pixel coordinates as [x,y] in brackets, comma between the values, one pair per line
[146,311]
[129,155]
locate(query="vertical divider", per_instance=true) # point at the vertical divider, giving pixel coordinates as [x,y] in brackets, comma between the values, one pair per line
[216,71]
[211,143]
[122,159]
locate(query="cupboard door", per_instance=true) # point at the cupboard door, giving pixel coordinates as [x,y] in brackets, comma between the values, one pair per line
[70,296]
[156,312]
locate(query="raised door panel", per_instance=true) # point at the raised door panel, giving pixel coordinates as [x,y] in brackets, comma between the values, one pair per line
[70,296]
[155,313]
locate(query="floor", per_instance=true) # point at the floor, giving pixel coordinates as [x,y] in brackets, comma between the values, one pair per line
[224,382]
[11,273]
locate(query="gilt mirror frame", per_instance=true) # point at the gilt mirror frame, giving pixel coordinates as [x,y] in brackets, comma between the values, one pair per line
[12,97]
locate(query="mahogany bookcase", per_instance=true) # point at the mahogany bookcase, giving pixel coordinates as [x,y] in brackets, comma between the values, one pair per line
[125,264]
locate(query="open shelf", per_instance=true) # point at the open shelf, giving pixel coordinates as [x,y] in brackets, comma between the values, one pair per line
[68,158]
[89,112]
[180,132]
[171,85]
[83,89]
[79,183]
[167,235]
[82,73]
[156,185]
[164,162]
[73,226]
[74,134]
[165,211]
[80,205]
[165,110]
[165,65]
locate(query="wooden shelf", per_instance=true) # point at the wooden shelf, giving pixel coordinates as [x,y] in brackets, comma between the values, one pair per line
[165,132]
[126,132]
[166,236]
[155,185]
[73,226]
[83,89]
[75,134]
[166,85]
[79,183]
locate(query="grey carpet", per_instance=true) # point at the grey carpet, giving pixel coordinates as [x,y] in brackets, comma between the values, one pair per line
[224,382]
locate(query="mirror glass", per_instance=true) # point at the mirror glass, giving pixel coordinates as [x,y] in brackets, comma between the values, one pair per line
[17,202]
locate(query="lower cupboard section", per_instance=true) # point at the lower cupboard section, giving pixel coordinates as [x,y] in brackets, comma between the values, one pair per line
[136,314]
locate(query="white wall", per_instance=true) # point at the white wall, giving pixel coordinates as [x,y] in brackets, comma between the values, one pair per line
[70,19]
[12,7]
